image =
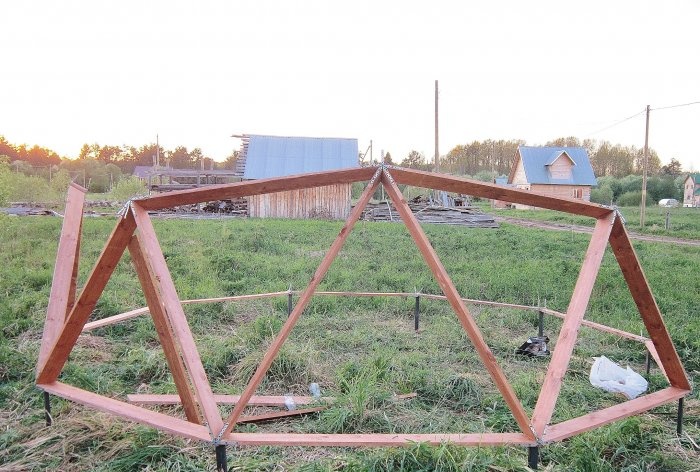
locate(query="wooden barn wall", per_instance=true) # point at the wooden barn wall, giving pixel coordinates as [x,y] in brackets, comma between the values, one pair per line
[332,201]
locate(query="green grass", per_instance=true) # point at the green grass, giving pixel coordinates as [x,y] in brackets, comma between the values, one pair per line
[683,222]
[363,351]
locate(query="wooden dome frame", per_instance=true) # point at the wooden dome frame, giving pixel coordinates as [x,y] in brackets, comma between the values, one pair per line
[67,314]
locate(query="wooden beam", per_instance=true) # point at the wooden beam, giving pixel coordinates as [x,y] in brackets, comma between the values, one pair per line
[153,255]
[276,415]
[579,425]
[646,304]
[572,322]
[655,355]
[255,400]
[256,187]
[134,413]
[377,440]
[164,330]
[450,291]
[62,285]
[140,311]
[97,280]
[303,301]
[497,192]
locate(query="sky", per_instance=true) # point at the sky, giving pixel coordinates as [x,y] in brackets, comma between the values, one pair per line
[195,73]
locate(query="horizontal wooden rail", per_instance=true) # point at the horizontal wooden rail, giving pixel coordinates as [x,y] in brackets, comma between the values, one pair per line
[131,412]
[376,440]
[255,400]
[547,311]
[579,425]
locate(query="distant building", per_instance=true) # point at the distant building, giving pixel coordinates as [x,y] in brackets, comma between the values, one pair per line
[553,170]
[691,190]
[278,156]
[501,180]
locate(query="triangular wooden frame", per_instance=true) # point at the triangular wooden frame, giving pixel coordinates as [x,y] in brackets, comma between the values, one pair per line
[66,317]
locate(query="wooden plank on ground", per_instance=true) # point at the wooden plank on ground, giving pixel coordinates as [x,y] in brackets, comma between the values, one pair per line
[164,330]
[97,280]
[646,304]
[579,425]
[255,400]
[134,413]
[182,334]
[572,323]
[454,184]
[303,301]
[450,291]
[62,293]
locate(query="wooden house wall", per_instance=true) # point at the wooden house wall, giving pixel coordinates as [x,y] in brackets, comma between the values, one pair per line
[332,201]
[561,168]
[565,191]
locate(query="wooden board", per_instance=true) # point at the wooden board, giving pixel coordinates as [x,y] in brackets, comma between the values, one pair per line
[131,412]
[301,305]
[97,280]
[572,322]
[465,318]
[63,284]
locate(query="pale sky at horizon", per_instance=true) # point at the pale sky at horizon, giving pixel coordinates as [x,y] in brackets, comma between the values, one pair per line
[195,73]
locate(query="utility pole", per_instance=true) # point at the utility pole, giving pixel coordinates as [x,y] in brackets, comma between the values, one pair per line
[437,152]
[157,152]
[644,172]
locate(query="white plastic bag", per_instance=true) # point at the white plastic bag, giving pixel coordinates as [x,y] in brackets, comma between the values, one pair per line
[611,377]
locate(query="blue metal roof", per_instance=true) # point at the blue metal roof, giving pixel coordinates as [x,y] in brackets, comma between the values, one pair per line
[278,156]
[536,160]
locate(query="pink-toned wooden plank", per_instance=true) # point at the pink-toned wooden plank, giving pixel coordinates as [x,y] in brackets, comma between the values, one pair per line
[497,192]
[140,311]
[115,319]
[164,330]
[377,440]
[104,267]
[603,328]
[275,415]
[646,304]
[303,301]
[74,276]
[450,291]
[572,322]
[67,256]
[182,334]
[255,400]
[655,355]
[134,413]
[579,425]
[256,187]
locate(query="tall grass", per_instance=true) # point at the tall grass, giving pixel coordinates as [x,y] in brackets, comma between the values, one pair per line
[362,351]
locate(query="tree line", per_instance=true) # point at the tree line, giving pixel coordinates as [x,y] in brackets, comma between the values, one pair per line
[498,156]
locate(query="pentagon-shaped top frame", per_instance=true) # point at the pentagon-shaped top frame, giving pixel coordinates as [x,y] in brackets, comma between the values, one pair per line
[66,314]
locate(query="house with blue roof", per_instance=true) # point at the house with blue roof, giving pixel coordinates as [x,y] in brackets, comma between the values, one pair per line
[691,190]
[553,170]
[264,156]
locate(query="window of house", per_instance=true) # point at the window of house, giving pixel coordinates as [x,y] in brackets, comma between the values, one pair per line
[578,193]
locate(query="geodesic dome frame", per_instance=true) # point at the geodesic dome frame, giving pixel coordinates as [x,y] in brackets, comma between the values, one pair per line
[67,314]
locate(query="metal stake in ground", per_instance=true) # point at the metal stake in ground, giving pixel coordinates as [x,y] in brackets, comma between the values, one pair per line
[679,418]
[416,312]
[533,457]
[47,409]
[221,465]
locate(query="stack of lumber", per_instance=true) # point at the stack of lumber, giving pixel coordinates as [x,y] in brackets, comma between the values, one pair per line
[427,212]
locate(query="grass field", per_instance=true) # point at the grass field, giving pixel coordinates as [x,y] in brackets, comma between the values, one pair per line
[362,351]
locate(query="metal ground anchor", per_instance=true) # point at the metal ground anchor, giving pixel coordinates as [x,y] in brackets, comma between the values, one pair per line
[221,464]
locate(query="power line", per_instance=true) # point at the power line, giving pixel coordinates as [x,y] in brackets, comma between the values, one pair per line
[617,123]
[676,106]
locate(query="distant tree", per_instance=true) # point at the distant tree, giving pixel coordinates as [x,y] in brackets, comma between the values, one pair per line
[570,141]
[673,168]
[230,161]
[180,158]
[387,159]
[414,160]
